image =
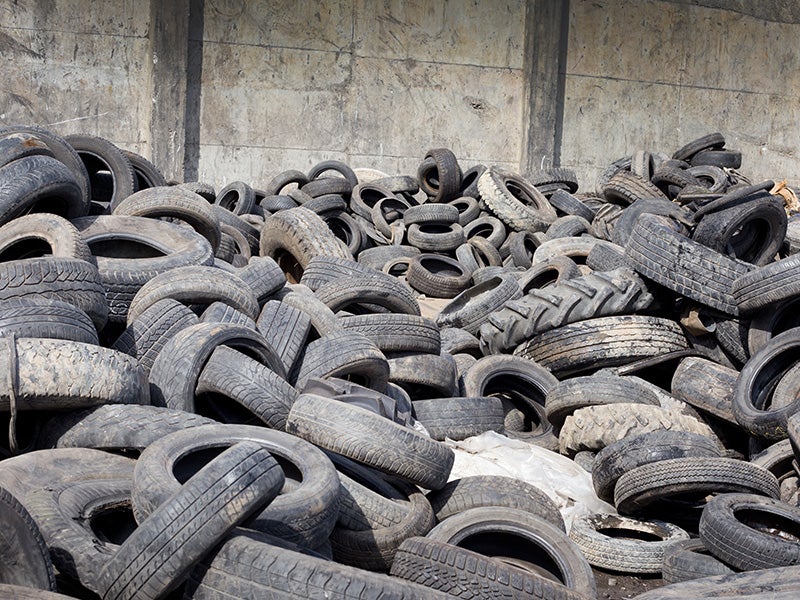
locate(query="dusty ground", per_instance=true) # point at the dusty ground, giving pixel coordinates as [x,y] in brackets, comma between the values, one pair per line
[616,586]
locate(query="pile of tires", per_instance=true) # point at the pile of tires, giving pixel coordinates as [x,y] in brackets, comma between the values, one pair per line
[238,394]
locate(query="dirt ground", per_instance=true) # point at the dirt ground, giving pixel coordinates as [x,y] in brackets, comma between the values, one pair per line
[616,586]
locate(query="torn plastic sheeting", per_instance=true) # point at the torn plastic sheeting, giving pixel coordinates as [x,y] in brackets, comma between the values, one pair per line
[491,453]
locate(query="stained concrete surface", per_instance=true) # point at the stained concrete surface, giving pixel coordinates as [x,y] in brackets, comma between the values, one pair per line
[283,84]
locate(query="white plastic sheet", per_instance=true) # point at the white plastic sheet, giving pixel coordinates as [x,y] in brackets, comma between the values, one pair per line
[560,478]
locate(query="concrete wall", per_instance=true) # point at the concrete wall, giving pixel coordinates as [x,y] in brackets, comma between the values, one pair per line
[242,89]
[76,66]
[653,75]
[375,84]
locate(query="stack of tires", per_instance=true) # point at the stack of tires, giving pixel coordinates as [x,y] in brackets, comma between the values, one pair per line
[238,393]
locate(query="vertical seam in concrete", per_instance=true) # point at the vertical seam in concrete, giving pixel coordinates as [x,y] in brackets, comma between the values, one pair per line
[544,70]
[194,74]
[168,35]
[563,47]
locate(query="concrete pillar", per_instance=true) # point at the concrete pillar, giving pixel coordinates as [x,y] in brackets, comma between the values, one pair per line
[544,66]
[169,29]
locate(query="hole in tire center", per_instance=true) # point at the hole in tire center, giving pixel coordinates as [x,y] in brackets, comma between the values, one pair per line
[229,200]
[519,193]
[750,240]
[516,406]
[30,247]
[192,462]
[483,230]
[289,265]
[543,280]
[439,267]
[122,248]
[623,533]
[113,523]
[221,408]
[522,552]
[434,228]
[769,523]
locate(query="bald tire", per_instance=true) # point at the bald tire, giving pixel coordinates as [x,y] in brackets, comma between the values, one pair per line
[643,485]
[603,342]
[371,439]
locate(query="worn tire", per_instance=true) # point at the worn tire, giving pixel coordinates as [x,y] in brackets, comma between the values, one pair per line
[622,551]
[602,342]
[640,487]
[370,439]
[749,532]
[304,513]
[293,237]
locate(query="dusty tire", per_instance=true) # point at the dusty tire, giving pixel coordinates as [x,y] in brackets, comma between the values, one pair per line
[526,540]
[177,367]
[26,558]
[130,251]
[370,439]
[595,427]
[640,487]
[749,532]
[664,255]
[304,513]
[293,237]
[515,201]
[586,297]
[621,552]
[175,203]
[459,572]
[586,345]
[493,490]
[159,554]
[195,285]
[70,280]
